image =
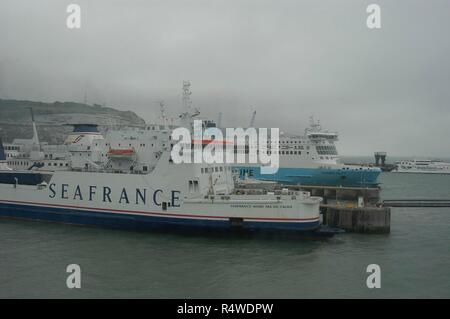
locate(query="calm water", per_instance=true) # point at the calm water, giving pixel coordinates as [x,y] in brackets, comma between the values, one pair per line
[414,258]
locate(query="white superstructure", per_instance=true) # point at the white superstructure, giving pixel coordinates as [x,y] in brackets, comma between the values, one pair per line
[132,182]
[425,166]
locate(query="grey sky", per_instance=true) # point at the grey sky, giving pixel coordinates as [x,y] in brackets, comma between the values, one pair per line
[386,89]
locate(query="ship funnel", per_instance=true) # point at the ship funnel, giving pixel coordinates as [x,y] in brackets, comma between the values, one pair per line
[84,128]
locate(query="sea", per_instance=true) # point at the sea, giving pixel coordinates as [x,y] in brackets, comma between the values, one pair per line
[414,259]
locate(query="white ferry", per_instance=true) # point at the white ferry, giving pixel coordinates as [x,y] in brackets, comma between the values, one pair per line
[307,159]
[312,159]
[131,182]
[33,154]
[424,166]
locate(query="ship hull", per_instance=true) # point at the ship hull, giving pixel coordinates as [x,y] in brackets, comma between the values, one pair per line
[351,177]
[131,201]
[121,219]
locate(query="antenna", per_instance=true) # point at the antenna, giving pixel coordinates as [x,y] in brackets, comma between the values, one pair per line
[35,133]
[187,103]
[252,120]
[189,113]
[162,110]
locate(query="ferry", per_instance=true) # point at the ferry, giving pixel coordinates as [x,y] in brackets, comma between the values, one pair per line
[33,154]
[312,159]
[10,176]
[131,182]
[422,166]
[305,159]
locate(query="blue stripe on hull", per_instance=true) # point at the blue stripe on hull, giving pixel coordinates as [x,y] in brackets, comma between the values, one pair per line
[316,176]
[140,222]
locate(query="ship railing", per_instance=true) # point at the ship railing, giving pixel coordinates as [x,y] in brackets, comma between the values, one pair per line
[276,192]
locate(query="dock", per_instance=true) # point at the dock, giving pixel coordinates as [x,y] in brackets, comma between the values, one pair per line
[353,209]
[416,203]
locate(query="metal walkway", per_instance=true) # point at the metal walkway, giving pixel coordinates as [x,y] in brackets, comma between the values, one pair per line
[416,203]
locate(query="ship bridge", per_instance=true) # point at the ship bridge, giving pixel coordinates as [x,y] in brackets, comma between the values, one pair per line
[315,132]
[330,136]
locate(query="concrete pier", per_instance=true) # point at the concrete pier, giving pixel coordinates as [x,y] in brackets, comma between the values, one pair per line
[369,220]
[354,209]
[361,196]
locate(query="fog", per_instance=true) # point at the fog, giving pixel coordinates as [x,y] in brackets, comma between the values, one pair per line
[382,89]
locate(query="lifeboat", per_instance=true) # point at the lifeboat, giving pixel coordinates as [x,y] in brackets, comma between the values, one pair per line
[121,153]
[211,141]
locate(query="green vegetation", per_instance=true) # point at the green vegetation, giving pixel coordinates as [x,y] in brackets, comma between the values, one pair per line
[17,110]
[15,118]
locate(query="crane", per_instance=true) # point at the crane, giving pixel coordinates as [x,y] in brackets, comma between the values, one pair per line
[252,120]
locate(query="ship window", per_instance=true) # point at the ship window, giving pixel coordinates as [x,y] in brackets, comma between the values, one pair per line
[216,169]
[144,168]
[221,168]
[202,170]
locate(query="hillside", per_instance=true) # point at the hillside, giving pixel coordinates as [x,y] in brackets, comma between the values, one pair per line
[15,118]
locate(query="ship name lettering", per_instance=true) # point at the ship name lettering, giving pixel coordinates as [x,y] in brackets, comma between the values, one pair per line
[108,194]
